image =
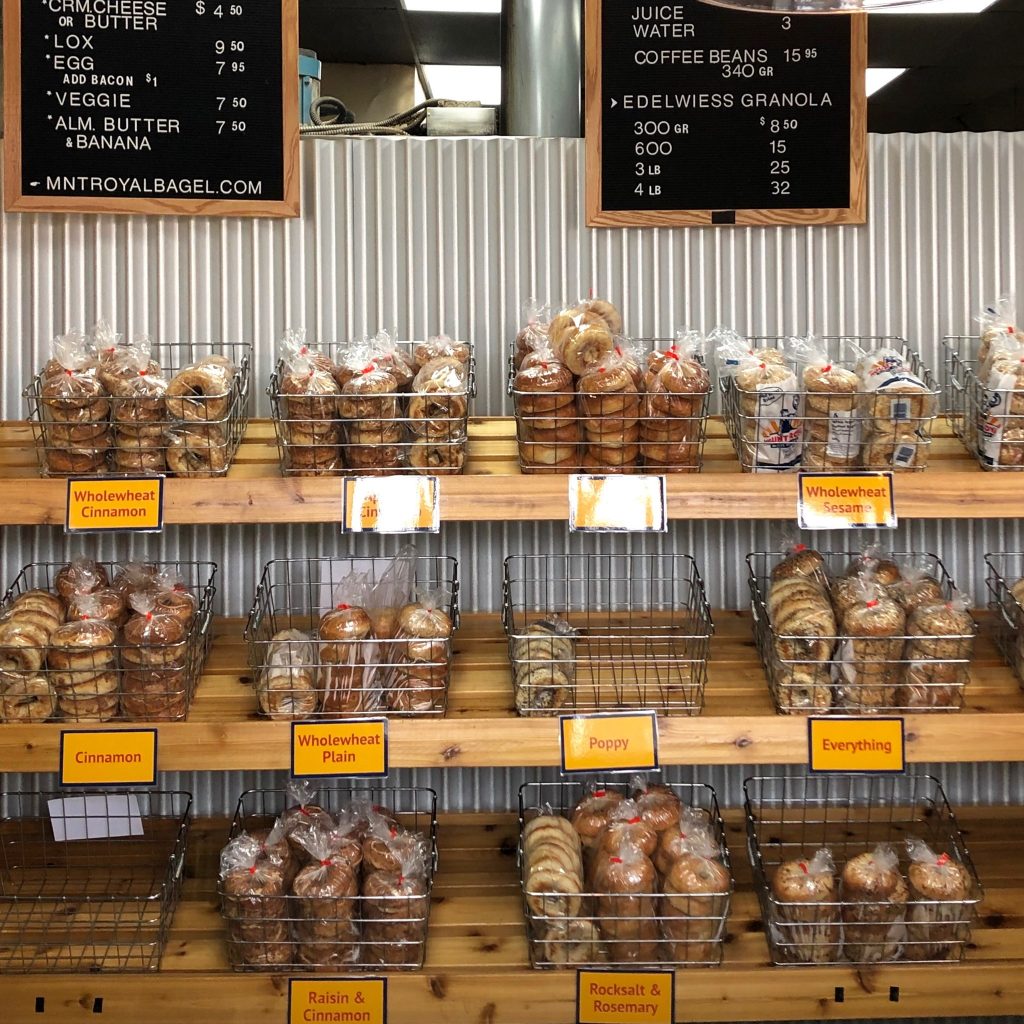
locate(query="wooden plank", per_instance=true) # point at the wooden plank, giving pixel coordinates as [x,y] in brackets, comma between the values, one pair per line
[954,487]
[477,965]
[738,726]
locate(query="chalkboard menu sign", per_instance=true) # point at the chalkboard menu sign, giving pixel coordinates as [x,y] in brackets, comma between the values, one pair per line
[704,115]
[152,106]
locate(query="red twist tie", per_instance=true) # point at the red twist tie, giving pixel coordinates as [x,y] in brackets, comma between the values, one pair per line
[827,369]
[70,373]
[394,832]
[326,863]
[149,616]
[618,350]
[369,369]
[764,366]
[544,366]
[305,811]
[615,860]
[401,879]
[304,351]
[601,369]
[142,373]
[343,607]
[252,870]
[634,821]
[798,548]
[672,354]
[600,792]
[873,604]
[803,867]
[943,860]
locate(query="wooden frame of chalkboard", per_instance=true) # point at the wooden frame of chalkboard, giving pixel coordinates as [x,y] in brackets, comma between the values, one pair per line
[285,201]
[602,214]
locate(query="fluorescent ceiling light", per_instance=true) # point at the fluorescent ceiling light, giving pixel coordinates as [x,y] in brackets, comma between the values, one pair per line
[459,6]
[940,7]
[465,82]
[879,78]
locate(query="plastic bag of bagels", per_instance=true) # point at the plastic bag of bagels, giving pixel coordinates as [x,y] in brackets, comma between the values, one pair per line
[153,638]
[626,883]
[302,813]
[388,356]
[832,428]
[71,373]
[997,324]
[422,648]
[659,806]
[254,890]
[393,590]
[350,666]
[395,905]
[327,888]
[533,335]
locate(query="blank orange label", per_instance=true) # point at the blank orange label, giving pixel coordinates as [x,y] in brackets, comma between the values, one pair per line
[625,997]
[333,749]
[134,503]
[856,745]
[108,757]
[609,743]
[340,1000]
[855,500]
[392,504]
[613,504]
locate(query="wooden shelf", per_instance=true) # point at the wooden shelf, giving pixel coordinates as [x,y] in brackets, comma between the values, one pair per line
[955,487]
[477,969]
[739,725]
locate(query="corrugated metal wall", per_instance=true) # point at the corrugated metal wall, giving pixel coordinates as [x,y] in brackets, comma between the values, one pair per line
[428,235]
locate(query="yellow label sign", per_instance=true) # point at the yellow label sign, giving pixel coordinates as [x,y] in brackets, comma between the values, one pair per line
[856,745]
[357,747]
[617,504]
[108,757]
[362,1000]
[122,503]
[625,997]
[610,743]
[851,501]
[392,504]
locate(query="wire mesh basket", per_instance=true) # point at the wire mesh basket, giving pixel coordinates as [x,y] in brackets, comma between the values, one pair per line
[601,929]
[989,421]
[383,434]
[573,432]
[280,930]
[300,674]
[105,673]
[790,818]
[789,429]
[89,883]
[820,674]
[193,431]
[1005,581]
[595,632]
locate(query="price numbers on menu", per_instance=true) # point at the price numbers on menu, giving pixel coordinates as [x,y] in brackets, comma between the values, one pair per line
[162,106]
[699,108]
[230,61]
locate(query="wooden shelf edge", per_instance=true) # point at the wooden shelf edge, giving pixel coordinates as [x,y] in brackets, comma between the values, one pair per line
[522,996]
[518,742]
[480,498]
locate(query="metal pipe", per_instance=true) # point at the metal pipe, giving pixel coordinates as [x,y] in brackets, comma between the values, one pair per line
[542,67]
